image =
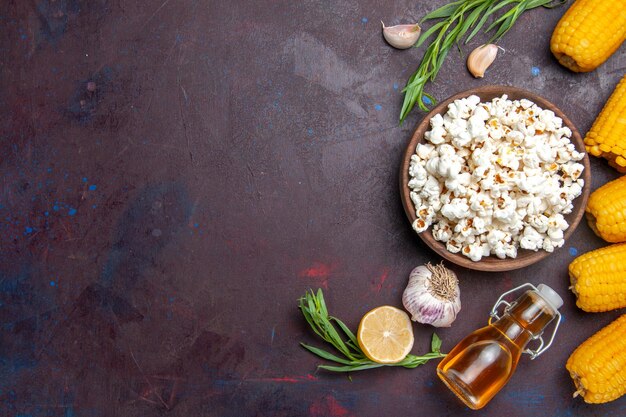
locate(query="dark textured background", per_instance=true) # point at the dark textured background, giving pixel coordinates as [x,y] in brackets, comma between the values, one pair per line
[175,174]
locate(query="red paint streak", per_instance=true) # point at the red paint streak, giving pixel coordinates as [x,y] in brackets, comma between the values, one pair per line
[377,284]
[319,272]
[288,379]
[327,406]
[281,379]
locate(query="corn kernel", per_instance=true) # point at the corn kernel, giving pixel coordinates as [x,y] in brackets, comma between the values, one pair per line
[598,365]
[598,279]
[607,136]
[589,33]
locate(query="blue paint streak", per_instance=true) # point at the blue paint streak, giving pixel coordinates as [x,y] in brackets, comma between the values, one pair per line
[14,285]
[535,71]
[132,250]
[93,187]
[378,107]
[54,25]
[71,211]
[28,230]
[52,283]
[525,397]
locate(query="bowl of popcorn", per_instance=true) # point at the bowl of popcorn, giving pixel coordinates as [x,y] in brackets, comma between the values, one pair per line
[495,178]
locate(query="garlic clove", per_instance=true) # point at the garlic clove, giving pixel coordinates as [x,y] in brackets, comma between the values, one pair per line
[401,36]
[481,58]
[432,295]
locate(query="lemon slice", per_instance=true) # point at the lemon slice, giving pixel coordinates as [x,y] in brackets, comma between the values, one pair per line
[385,334]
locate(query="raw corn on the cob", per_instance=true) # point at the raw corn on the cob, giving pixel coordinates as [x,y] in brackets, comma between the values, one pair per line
[588,33]
[598,365]
[606,211]
[598,279]
[607,136]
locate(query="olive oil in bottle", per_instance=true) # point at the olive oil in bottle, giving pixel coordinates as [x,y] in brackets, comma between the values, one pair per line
[483,362]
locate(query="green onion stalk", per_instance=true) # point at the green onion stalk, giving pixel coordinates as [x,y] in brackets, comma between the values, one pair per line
[349,357]
[454,21]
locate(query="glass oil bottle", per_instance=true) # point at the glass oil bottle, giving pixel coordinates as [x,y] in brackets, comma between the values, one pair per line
[483,362]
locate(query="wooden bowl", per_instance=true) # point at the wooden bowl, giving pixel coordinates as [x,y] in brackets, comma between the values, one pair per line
[492,263]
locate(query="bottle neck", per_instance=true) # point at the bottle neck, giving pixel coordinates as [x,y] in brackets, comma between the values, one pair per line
[525,319]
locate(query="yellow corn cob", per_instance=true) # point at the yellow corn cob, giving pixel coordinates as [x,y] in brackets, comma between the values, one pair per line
[598,365]
[606,211]
[598,279]
[588,33]
[607,137]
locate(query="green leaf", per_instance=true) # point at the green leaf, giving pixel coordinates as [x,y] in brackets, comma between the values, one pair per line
[444,11]
[471,20]
[326,355]
[429,33]
[456,20]
[314,310]
[552,5]
[435,344]
[492,9]
[412,361]
[351,368]
[345,330]
[311,305]
[321,324]
[415,363]
[505,26]
[320,303]
[353,345]
[337,342]
[536,3]
[499,21]
[308,317]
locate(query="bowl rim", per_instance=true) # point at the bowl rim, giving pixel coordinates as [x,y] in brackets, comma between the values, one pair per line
[493,263]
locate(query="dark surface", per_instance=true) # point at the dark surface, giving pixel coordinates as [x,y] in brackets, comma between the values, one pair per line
[177,173]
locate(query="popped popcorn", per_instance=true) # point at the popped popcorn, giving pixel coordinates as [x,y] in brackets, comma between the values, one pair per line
[495,177]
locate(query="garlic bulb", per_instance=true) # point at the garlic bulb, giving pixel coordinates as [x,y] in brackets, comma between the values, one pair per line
[432,295]
[481,58]
[401,36]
